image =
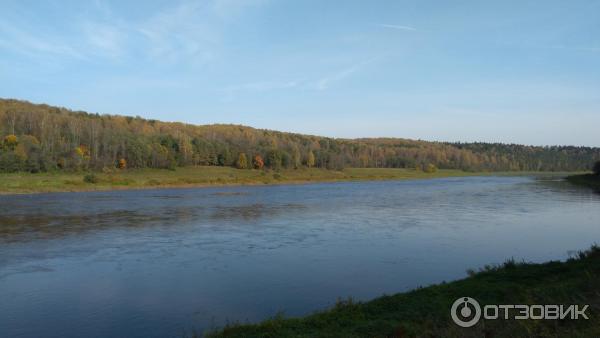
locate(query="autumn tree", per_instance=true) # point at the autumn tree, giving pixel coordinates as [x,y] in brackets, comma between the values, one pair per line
[82,151]
[40,137]
[310,159]
[242,161]
[430,168]
[10,141]
[11,159]
[258,162]
[122,164]
[82,156]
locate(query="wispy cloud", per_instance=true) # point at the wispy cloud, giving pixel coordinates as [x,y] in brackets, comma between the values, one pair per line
[325,82]
[397,27]
[190,31]
[22,41]
[105,39]
[182,31]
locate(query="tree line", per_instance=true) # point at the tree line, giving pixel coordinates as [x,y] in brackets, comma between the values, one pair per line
[38,137]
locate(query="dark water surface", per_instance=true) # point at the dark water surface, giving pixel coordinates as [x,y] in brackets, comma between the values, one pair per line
[157,263]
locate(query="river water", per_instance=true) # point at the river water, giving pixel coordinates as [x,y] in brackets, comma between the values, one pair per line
[161,263]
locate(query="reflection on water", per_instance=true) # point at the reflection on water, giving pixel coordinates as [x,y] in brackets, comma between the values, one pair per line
[18,226]
[158,262]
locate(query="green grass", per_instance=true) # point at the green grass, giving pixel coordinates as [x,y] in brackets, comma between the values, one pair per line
[425,312]
[198,176]
[588,180]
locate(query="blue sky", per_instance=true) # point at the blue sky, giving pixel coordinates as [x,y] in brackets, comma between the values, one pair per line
[506,71]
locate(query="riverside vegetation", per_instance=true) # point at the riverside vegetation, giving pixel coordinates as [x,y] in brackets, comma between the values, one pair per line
[21,182]
[41,138]
[589,180]
[425,312]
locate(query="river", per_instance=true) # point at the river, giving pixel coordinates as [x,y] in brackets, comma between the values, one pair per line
[156,263]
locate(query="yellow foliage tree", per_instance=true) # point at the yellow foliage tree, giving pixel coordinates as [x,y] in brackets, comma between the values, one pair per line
[82,151]
[122,164]
[430,168]
[310,159]
[11,141]
[242,161]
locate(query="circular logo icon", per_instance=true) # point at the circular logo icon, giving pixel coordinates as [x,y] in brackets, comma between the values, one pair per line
[465,312]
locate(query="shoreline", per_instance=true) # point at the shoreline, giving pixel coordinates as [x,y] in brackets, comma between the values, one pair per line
[425,311]
[209,177]
[585,180]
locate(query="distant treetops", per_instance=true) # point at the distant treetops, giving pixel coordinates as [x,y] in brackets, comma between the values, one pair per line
[43,138]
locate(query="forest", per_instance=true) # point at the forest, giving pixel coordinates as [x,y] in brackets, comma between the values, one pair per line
[39,137]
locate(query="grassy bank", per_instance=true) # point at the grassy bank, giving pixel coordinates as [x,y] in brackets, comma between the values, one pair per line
[588,180]
[19,183]
[198,176]
[425,312]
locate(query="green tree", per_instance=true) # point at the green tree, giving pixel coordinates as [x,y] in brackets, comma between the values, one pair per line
[296,160]
[286,159]
[9,162]
[274,159]
[29,153]
[242,161]
[223,158]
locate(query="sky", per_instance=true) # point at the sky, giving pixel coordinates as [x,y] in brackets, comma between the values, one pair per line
[495,71]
